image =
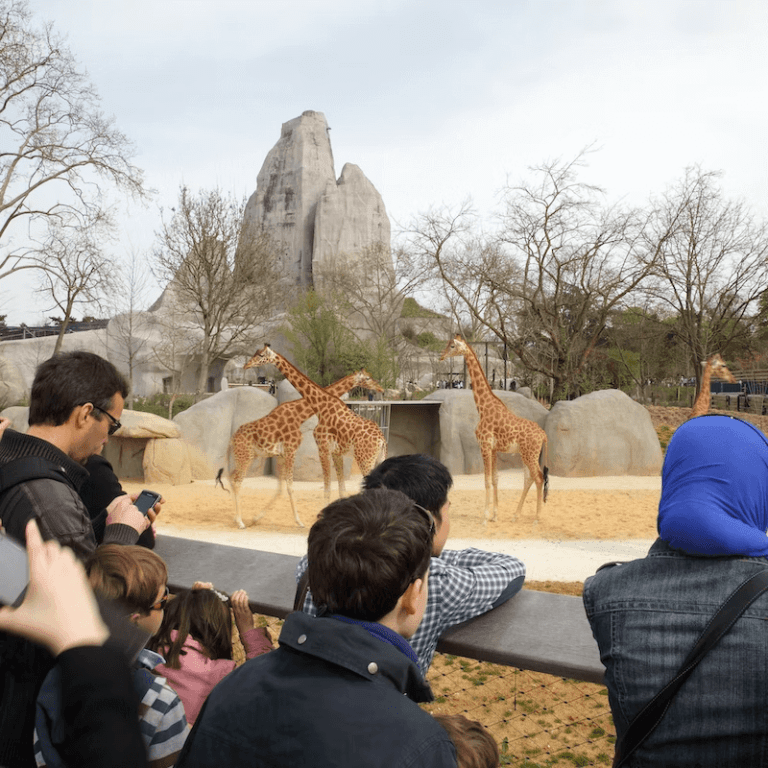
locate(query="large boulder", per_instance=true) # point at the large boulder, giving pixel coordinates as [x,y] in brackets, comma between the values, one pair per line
[209,425]
[146,425]
[12,389]
[18,416]
[459,450]
[602,433]
[167,461]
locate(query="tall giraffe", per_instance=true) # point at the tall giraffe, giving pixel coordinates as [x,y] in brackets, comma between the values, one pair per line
[339,430]
[500,431]
[713,366]
[279,434]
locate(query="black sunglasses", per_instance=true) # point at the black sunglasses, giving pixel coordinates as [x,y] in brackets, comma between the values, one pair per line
[114,426]
[430,517]
[160,604]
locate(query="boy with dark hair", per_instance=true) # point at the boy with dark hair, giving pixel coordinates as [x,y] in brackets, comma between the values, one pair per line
[332,693]
[462,583]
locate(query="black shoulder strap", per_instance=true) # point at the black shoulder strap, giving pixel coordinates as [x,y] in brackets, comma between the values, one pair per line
[652,713]
[29,468]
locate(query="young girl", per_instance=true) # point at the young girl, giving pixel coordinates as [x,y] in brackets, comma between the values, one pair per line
[196,640]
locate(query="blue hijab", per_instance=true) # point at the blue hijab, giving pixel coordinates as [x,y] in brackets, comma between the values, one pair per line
[714,488]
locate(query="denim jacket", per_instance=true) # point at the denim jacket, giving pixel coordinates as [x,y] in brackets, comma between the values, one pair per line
[646,616]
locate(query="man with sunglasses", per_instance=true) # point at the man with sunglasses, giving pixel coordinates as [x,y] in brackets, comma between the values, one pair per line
[75,405]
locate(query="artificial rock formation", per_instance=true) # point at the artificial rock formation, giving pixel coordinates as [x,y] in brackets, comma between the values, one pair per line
[314,220]
[602,433]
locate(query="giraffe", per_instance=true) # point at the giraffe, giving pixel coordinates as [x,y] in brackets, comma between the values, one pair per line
[500,431]
[279,434]
[339,429]
[711,366]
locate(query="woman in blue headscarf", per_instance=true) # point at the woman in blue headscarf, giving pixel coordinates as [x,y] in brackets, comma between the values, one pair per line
[714,488]
[648,614]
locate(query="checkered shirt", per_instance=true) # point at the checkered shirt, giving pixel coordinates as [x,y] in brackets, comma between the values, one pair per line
[462,584]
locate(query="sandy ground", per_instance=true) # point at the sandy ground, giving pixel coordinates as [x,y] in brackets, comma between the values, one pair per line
[585,522]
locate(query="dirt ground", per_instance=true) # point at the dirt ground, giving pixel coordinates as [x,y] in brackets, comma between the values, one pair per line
[537,719]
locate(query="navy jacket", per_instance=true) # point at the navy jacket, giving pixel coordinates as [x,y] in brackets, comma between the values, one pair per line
[330,695]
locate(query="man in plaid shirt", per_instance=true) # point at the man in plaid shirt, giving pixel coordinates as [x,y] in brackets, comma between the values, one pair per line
[462,583]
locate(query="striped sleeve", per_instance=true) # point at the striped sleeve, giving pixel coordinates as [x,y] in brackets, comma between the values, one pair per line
[163,724]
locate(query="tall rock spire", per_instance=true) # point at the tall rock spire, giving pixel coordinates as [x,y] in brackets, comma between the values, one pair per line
[291,180]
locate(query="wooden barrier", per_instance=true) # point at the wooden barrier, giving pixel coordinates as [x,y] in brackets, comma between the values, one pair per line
[534,630]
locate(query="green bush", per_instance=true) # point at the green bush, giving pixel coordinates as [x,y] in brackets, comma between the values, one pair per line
[158,404]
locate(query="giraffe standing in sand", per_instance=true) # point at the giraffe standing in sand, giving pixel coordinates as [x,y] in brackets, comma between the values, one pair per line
[500,431]
[339,430]
[713,366]
[279,434]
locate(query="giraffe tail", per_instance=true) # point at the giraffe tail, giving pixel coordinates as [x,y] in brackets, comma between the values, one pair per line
[219,481]
[545,469]
[220,473]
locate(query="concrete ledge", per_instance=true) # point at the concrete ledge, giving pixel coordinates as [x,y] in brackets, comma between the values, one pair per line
[534,630]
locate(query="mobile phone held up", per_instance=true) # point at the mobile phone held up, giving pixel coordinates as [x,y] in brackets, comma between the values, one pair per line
[14,571]
[146,500]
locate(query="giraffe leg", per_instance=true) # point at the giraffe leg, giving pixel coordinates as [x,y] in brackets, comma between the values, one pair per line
[527,483]
[287,475]
[324,452]
[277,493]
[234,482]
[488,457]
[338,465]
[495,482]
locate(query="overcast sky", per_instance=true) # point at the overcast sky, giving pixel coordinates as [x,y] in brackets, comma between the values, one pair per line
[435,100]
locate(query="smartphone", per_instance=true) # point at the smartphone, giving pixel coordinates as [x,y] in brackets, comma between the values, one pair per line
[146,500]
[14,571]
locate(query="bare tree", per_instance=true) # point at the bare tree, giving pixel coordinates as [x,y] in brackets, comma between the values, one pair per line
[713,266]
[56,147]
[222,273]
[73,268]
[547,283]
[131,325]
[367,291]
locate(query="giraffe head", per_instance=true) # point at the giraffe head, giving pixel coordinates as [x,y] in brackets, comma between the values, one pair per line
[364,379]
[719,368]
[456,347]
[264,356]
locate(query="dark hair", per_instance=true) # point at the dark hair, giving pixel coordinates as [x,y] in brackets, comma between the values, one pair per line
[70,379]
[421,478]
[200,613]
[131,575]
[364,551]
[475,746]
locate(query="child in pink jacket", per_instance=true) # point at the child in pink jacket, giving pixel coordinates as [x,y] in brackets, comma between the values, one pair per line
[196,640]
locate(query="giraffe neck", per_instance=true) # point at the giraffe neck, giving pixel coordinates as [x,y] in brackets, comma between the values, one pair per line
[702,401]
[342,386]
[481,389]
[311,392]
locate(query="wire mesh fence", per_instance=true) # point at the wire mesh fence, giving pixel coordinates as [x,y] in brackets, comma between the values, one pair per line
[536,719]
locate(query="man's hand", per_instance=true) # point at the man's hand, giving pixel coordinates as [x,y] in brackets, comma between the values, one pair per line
[122,510]
[155,511]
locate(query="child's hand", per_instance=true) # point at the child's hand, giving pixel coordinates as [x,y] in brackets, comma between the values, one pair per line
[242,611]
[202,585]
